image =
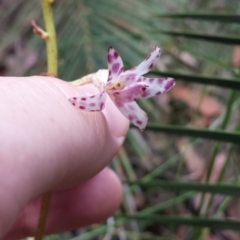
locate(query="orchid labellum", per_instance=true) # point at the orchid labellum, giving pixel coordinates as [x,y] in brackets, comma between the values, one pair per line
[125,87]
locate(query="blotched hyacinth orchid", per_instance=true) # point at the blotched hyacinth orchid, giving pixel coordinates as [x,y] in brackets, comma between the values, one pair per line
[124,87]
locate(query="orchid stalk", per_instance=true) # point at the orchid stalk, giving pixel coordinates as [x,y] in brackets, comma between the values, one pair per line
[124,87]
[49,37]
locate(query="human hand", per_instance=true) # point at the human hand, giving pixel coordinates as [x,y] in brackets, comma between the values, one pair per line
[48,145]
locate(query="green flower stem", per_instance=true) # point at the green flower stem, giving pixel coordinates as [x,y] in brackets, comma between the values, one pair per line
[51,44]
[43,215]
[51,41]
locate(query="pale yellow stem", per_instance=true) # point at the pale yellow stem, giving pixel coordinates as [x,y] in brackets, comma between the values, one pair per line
[82,81]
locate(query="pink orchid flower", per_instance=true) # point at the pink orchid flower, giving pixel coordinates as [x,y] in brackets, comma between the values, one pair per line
[125,87]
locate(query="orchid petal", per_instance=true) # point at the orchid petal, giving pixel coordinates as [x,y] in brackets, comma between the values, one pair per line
[130,93]
[90,103]
[145,66]
[133,112]
[156,86]
[99,79]
[115,65]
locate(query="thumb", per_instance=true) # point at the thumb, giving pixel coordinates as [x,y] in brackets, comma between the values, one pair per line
[46,143]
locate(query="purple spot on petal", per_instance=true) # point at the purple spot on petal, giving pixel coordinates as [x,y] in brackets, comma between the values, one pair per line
[148,56]
[118,103]
[101,105]
[160,81]
[130,117]
[130,107]
[73,104]
[81,107]
[139,122]
[92,96]
[151,66]
[144,89]
[92,104]
[145,94]
[151,80]
[132,75]
[139,80]
[115,55]
[169,84]
[121,70]
[83,99]
[115,67]
[74,98]
[157,93]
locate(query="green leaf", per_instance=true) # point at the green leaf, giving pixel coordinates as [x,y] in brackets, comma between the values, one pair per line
[218,135]
[190,221]
[220,82]
[212,38]
[155,208]
[204,17]
[227,189]
[144,236]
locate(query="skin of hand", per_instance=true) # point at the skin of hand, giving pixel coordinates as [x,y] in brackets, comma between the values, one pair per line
[49,145]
